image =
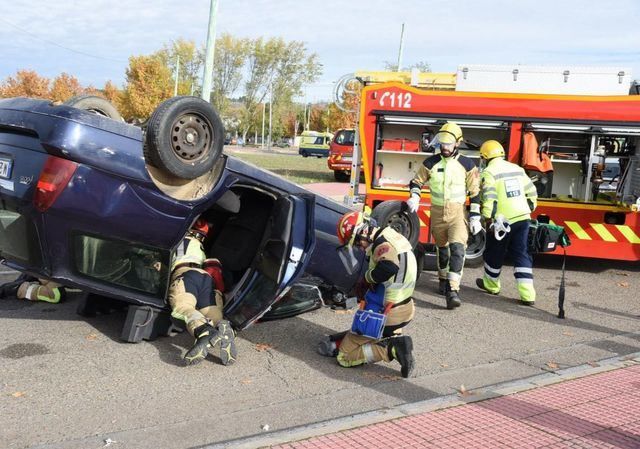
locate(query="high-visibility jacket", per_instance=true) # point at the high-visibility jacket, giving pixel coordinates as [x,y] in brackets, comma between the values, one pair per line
[390,247]
[189,251]
[450,179]
[507,191]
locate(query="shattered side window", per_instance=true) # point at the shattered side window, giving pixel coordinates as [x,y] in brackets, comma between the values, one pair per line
[120,263]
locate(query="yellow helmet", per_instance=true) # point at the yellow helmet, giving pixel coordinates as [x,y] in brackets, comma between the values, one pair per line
[491,149]
[449,133]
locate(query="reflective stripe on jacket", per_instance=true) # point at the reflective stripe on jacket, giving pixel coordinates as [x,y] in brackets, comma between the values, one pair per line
[189,251]
[392,246]
[507,191]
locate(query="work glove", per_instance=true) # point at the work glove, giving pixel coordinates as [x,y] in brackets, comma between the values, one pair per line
[413,203]
[474,224]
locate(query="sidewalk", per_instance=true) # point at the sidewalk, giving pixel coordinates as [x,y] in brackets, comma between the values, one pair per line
[591,406]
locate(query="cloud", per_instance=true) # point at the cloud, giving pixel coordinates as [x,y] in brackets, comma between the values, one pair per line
[58,35]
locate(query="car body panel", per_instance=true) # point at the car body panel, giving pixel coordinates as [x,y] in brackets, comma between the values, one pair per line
[112,223]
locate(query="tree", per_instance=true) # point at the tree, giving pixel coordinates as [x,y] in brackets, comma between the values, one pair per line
[345,116]
[230,55]
[148,83]
[64,87]
[421,66]
[277,70]
[27,83]
[191,60]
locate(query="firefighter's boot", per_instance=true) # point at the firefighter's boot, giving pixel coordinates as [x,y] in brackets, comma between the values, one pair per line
[401,349]
[10,289]
[226,335]
[206,337]
[453,300]
[443,284]
[328,348]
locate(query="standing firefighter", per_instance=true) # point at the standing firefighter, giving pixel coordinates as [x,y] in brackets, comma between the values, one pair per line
[450,176]
[508,198]
[392,275]
[196,298]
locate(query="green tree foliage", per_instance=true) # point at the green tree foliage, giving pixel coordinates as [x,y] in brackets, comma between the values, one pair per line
[230,56]
[190,60]
[149,82]
[277,70]
[422,66]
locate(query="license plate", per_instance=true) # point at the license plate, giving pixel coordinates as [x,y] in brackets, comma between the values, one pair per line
[5,168]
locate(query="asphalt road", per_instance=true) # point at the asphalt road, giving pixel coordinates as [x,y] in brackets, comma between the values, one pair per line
[69,382]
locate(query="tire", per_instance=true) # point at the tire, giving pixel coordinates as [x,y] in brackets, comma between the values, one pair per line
[97,105]
[341,176]
[475,249]
[304,154]
[184,137]
[473,254]
[396,215]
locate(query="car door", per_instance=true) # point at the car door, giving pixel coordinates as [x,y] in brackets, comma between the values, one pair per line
[281,258]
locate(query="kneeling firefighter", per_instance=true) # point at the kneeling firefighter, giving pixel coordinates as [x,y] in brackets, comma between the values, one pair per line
[196,297]
[390,280]
[508,198]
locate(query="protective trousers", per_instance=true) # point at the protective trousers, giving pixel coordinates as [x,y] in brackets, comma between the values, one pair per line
[193,299]
[450,232]
[40,290]
[513,244]
[357,350]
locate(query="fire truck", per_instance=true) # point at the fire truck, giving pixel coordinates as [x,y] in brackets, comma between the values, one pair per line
[581,152]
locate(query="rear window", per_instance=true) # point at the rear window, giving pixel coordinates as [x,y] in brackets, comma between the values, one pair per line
[19,240]
[121,263]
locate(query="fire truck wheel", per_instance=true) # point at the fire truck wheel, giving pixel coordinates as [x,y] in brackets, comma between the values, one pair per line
[396,215]
[475,249]
[95,104]
[341,176]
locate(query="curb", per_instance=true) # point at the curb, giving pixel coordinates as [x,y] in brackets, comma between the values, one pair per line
[443,402]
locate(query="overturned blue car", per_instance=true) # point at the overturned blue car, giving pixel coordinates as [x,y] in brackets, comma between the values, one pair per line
[94,203]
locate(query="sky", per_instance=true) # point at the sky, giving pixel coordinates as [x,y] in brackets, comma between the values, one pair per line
[93,39]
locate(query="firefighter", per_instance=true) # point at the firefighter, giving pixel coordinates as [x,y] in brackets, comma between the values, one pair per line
[392,265]
[196,297]
[33,289]
[451,176]
[508,198]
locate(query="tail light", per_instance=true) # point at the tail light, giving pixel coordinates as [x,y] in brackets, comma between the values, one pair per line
[54,177]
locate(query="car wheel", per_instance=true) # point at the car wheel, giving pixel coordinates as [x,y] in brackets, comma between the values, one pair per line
[304,154]
[95,104]
[341,176]
[396,215]
[184,137]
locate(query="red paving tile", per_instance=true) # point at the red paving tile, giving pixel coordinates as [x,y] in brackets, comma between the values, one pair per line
[598,411]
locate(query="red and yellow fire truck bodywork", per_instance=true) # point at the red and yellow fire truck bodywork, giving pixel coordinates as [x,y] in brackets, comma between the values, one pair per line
[601,225]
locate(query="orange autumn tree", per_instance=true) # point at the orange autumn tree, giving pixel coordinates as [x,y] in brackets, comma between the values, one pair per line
[148,82]
[27,83]
[64,87]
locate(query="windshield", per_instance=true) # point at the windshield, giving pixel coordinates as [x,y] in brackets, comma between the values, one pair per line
[345,137]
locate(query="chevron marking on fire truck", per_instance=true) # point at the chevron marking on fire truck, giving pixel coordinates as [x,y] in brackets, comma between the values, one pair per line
[603,232]
[577,230]
[628,233]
